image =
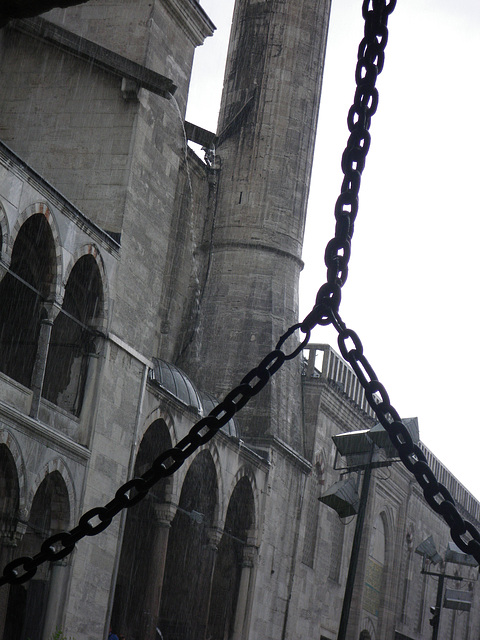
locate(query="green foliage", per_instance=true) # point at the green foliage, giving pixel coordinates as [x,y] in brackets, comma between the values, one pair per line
[59,635]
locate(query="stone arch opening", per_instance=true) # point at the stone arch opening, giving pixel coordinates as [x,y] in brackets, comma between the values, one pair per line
[191,555]
[227,604]
[28,603]
[9,493]
[142,558]
[22,291]
[71,341]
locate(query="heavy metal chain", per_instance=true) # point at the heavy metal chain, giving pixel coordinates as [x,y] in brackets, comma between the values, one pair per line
[369,65]
[98,519]
[337,254]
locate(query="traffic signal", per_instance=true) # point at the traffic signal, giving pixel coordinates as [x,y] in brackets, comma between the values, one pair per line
[435,611]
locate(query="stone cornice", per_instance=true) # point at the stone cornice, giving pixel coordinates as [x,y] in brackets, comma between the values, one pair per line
[192,18]
[42,432]
[24,172]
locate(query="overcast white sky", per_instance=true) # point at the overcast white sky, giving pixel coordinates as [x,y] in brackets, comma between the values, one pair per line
[413,291]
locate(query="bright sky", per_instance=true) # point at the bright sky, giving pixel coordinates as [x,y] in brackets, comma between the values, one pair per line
[412,291]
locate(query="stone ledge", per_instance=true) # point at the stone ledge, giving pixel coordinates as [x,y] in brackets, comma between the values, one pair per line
[191,17]
[96,55]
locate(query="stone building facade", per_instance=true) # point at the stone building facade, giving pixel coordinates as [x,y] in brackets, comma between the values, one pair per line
[138,285]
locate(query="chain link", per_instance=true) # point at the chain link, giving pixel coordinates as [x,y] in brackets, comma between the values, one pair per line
[370,61]
[463,533]
[98,519]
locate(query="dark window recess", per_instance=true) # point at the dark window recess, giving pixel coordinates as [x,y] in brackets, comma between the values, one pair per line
[71,340]
[189,563]
[9,492]
[27,604]
[21,293]
[139,573]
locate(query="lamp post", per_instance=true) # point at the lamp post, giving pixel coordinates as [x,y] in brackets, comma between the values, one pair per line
[454,599]
[361,450]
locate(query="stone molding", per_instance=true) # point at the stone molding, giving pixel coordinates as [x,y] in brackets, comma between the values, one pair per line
[191,17]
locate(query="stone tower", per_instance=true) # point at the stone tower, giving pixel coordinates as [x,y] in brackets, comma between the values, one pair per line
[266,136]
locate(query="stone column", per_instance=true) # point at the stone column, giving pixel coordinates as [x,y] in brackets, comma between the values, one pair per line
[87,411]
[214,536]
[56,597]
[241,610]
[164,514]
[49,313]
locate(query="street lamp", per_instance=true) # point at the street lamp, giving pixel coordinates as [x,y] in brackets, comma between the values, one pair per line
[453,598]
[362,452]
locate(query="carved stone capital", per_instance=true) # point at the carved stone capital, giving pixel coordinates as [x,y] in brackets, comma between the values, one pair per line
[249,555]
[214,536]
[164,513]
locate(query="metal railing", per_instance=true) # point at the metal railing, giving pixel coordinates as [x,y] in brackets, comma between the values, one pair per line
[321,361]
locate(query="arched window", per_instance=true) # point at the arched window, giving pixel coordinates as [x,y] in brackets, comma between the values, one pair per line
[9,493]
[71,339]
[190,557]
[141,566]
[27,604]
[22,291]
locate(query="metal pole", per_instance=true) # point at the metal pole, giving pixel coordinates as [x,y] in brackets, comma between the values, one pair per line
[352,568]
[438,605]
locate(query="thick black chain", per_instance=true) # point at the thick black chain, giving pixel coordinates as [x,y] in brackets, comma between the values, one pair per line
[370,60]
[337,255]
[463,533]
[98,519]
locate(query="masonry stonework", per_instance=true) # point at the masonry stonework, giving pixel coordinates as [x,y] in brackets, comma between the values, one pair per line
[138,284]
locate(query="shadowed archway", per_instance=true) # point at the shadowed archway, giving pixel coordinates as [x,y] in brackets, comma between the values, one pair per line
[226,608]
[140,572]
[191,555]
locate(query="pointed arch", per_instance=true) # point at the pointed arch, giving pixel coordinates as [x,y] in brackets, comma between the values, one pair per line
[232,558]
[191,552]
[144,541]
[246,471]
[42,209]
[375,573]
[9,493]
[31,280]
[50,512]
[91,249]
[9,440]
[163,414]
[72,340]
[56,466]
